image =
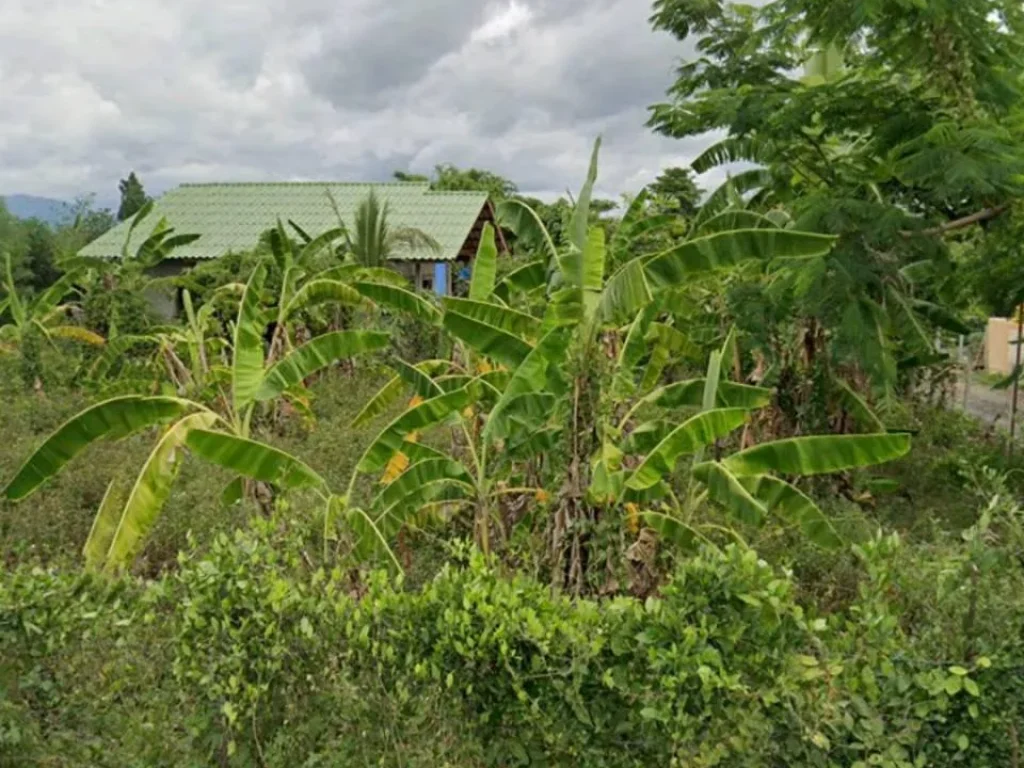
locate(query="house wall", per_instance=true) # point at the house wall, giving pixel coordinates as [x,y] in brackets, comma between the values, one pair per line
[1000,347]
[166,300]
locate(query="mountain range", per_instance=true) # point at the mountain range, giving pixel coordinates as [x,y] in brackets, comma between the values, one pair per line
[31,207]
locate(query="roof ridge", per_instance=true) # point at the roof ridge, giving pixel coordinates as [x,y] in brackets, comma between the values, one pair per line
[304,183]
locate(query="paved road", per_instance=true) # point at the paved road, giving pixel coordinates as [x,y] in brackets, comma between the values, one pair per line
[989,405]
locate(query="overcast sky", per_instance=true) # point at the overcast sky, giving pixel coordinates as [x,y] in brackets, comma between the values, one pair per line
[231,90]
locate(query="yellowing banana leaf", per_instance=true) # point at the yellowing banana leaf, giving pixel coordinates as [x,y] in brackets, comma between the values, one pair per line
[419,474]
[315,355]
[818,454]
[247,368]
[789,503]
[104,525]
[485,266]
[492,341]
[76,333]
[726,249]
[148,495]
[253,460]
[693,434]
[111,419]
[392,437]
[725,488]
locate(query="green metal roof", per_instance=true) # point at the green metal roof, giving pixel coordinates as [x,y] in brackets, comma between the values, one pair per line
[231,217]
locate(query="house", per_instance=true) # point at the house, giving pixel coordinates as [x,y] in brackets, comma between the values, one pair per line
[1001,345]
[231,217]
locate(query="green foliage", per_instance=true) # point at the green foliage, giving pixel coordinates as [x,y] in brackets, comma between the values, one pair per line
[246,654]
[133,197]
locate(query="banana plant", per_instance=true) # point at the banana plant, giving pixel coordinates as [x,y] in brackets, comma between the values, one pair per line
[604,314]
[43,316]
[750,484]
[128,511]
[304,287]
[470,477]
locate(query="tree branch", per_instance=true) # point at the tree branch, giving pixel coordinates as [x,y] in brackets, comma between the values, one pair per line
[966,221]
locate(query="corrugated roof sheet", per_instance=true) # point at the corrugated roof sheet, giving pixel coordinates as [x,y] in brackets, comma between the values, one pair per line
[231,217]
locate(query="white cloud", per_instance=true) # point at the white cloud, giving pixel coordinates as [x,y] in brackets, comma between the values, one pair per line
[346,89]
[503,23]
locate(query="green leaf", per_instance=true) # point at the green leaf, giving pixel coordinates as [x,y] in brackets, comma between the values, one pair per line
[53,295]
[907,322]
[527,226]
[247,370]
[530,376]
[379,403]
[253,460]
[940,317]
[233,492]
[673,530]
[690,394]
[579,223]
[625,294]
[426,414]
[526,278]
[399,299]
[417,377]
[347,273]
[858,408]
[726,489]
[114,419]
[781,498]
[492,341]
[697,432]
[819,454]
[508,320]
[114,351]
[150,492]
[317,292]
[13,298]
[728,221]
[485,267]
[726,249]
[316,355]
[314,247]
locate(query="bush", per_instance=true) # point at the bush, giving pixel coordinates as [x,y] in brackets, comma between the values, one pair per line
[249,654]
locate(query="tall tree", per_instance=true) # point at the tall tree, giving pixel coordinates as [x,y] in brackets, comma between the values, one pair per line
[677,187]
[133,197]
[903,129]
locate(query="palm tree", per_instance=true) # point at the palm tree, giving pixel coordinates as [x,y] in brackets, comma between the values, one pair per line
[373,242]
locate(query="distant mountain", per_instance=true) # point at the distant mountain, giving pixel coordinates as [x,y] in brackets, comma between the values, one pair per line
[31,207]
